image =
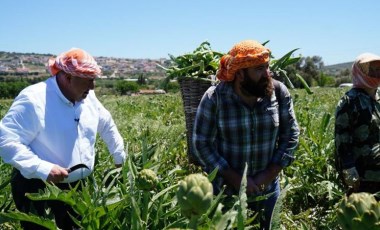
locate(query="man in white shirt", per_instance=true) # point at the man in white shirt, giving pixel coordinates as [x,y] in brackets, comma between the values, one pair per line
[51,127]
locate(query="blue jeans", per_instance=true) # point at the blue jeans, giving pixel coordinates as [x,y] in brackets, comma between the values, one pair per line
[263,207]
[267,205]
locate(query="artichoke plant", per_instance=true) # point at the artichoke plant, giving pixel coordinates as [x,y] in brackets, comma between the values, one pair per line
[359,211]
[194,195]
[146,180]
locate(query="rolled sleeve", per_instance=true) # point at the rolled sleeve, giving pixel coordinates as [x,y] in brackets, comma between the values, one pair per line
[289,132]
[282,159]
[119,158]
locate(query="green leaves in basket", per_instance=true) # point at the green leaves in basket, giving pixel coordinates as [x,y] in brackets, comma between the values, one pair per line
[201,63]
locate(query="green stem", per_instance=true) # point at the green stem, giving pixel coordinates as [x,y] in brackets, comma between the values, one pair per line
[144,213]
[193,222]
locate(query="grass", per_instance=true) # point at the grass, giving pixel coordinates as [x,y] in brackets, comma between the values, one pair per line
[153,127]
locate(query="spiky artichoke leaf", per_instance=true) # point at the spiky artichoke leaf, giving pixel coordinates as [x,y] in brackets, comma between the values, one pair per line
[369,218]
[361,202]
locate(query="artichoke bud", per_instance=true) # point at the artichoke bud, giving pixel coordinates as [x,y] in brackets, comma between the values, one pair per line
[369,218]
[344,223]
[359,210]
[194,195]
[357,224]
[146,180]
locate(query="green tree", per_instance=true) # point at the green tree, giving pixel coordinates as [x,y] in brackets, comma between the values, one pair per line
[173,87]
[310,68]
[325,80]
[141,80]
[11,89]
[125,87]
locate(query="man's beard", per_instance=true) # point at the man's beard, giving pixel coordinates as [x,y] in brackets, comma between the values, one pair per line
[261,88]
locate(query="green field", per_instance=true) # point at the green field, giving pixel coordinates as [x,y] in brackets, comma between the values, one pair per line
[153,128]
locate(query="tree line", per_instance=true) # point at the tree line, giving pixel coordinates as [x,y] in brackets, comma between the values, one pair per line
[312,71]
[310,68]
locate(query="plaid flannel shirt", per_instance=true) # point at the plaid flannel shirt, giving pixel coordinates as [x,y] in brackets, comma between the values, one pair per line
[229,134]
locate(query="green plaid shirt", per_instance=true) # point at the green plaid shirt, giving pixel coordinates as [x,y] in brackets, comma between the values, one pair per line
[229,134]
[357,134]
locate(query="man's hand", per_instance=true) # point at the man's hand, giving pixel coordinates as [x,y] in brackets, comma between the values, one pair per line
[265,177]
[255,184]
[252,187]
[233,179]
[57,174]
[351,178]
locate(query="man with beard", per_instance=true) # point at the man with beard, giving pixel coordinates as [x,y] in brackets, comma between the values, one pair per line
[242,122]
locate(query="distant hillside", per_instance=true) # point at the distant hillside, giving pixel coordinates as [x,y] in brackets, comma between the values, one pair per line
[337,68]
[32,64]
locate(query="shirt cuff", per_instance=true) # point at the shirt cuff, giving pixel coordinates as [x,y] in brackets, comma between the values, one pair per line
[221,164]
[282,159]
[43,170]
[119,158]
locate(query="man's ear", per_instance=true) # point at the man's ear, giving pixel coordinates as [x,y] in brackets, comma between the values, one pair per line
[68,77]
[239,75]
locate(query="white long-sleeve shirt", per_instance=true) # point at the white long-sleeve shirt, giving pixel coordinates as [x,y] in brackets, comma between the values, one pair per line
[43,128]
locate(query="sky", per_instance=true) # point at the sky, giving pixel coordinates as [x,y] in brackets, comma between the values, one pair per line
[337,31]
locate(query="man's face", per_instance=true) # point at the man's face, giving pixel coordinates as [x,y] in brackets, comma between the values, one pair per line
[80,87]
[257,81]
[374,69]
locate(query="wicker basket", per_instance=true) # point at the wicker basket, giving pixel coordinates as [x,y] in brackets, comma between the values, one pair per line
[192,90]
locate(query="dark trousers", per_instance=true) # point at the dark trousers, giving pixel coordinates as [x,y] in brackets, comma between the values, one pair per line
[20,185]
[370,187]
[264,207]
[366,186]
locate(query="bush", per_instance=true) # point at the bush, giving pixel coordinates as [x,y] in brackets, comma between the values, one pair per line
[11,89]
[125,87]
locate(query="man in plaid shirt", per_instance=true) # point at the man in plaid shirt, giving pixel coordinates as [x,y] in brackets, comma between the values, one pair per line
[241,122]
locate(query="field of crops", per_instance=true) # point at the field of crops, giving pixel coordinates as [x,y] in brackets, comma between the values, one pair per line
[153,128]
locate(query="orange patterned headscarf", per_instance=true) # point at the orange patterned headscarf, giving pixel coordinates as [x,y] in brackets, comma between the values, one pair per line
[244,54]
[360,72]
[75,62]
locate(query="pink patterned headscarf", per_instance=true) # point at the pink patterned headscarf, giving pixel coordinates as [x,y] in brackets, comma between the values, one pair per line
[75,62]
[248,53]
[360,72]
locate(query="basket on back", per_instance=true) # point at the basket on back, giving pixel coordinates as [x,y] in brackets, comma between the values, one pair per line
[192,90]
[193,72]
